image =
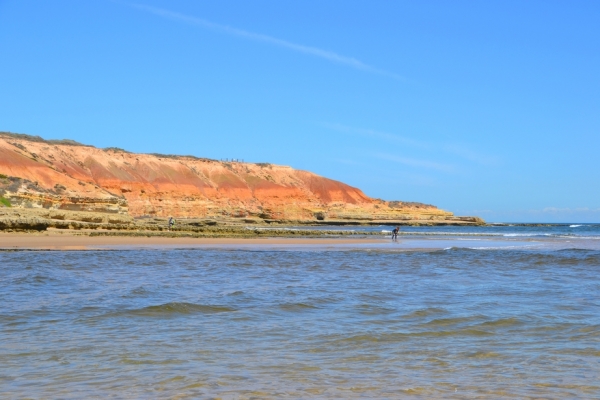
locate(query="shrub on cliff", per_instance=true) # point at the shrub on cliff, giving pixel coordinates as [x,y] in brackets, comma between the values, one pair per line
[5,202]
[320,215]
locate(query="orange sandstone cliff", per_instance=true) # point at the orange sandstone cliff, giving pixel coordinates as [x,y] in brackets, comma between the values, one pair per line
[37,173]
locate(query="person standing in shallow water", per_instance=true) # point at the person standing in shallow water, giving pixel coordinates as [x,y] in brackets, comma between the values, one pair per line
[395,233]
[171,223]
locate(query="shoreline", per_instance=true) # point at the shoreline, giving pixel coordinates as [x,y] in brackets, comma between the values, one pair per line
[82,241]
[73,241]
[230,238]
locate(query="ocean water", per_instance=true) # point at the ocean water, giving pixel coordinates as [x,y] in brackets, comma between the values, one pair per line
[425,317]
[497,230]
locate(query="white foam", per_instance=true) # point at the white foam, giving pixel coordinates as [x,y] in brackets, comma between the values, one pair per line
[501,247]
[526,234]
[574,226]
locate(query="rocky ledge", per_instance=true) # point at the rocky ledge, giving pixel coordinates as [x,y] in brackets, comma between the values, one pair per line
[103,224]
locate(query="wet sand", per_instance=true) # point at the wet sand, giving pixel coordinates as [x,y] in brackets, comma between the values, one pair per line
[78,240]
[71,241]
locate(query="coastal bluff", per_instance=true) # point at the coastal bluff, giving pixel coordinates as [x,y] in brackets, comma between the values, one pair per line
[69,176]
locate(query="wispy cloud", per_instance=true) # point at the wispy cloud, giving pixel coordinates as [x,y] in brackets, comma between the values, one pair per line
[553,211]
[377,134]
[419,163]
[584,215]
[468,154]
[567,210]
[451,149]
[259,37]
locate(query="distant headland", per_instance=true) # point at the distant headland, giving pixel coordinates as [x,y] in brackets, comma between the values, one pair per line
[58,180]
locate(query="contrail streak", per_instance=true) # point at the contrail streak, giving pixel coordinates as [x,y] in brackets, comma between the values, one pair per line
[314,51]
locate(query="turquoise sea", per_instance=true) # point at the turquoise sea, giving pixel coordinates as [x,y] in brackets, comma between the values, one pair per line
[444,312]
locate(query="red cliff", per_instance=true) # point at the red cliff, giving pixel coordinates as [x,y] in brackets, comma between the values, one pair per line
[67,175]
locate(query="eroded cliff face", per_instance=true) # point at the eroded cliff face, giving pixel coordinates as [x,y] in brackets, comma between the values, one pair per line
[66,175]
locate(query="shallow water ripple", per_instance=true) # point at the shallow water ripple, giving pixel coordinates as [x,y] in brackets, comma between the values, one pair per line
[219,323]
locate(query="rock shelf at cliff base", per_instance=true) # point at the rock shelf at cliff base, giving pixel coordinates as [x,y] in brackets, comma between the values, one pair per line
[67,185]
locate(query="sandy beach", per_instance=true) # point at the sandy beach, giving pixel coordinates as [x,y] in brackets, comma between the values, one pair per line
[53,240]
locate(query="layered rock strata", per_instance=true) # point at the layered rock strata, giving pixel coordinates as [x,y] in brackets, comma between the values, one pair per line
[65,175]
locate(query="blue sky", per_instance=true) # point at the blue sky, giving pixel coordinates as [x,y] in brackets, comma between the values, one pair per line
[488,108]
